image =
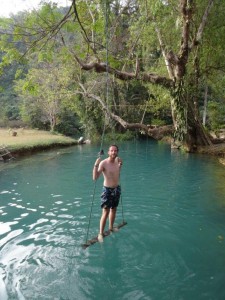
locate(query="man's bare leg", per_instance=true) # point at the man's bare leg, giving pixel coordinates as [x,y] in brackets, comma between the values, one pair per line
[112,217]
[105,213]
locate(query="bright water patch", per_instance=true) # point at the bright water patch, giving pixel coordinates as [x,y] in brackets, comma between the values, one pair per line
[172,248]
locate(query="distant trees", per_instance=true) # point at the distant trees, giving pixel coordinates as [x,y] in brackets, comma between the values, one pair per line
[44,92]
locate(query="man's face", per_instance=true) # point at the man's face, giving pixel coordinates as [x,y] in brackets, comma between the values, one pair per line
[113,152]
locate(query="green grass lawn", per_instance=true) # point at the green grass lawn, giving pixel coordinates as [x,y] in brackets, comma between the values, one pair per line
[30,139]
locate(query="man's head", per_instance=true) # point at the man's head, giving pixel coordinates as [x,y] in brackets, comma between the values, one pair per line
[113,150]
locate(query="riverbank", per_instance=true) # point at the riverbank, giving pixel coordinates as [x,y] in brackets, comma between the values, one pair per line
[27,141]
[21,142]
[217,150]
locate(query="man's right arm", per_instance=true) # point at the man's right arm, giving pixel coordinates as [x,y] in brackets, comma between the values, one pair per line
[96,169]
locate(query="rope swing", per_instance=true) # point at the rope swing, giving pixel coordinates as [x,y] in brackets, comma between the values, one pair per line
[101,151]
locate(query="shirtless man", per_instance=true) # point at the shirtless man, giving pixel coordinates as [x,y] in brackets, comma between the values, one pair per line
[110,168]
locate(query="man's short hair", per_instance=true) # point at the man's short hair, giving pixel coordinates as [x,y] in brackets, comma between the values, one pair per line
[114,146]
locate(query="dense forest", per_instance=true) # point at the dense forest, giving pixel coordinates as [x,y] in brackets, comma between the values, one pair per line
[151,67]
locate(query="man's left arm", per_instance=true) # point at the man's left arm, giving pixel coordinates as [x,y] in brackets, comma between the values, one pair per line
[120,162]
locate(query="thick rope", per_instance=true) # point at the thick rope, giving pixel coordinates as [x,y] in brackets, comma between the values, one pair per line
[121,201]
[92,202]
[101,152]
[107,67]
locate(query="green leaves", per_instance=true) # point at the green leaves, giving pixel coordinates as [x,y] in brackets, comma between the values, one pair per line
[31,88]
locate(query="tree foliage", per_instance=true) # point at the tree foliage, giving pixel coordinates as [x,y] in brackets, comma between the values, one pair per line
[151,61]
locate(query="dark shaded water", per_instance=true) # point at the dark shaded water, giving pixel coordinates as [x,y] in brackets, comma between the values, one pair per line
[172,248]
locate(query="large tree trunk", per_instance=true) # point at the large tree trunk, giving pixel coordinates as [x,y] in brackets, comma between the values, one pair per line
[188,129]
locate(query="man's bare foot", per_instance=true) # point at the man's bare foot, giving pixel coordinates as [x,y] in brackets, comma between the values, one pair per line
[100,238]
[114,229]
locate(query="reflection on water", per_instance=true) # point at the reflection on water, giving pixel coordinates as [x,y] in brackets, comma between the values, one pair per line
[172,248]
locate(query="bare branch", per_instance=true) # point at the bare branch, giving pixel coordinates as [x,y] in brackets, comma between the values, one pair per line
[163,49]
[99,67]
[204,20]
[153,131]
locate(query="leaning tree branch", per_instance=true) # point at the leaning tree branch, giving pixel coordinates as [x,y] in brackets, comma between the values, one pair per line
[99,67]
[168,61]
[78,19]
[203,23]
[153,131]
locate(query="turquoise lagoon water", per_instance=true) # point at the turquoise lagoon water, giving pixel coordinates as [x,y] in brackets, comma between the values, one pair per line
[172,248]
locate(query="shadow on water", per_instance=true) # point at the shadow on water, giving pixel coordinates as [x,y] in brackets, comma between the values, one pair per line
[172,248]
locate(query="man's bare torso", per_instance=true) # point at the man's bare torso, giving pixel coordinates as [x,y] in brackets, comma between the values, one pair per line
[111,172]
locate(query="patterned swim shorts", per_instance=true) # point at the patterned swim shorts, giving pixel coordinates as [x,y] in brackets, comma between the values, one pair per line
[110,197]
